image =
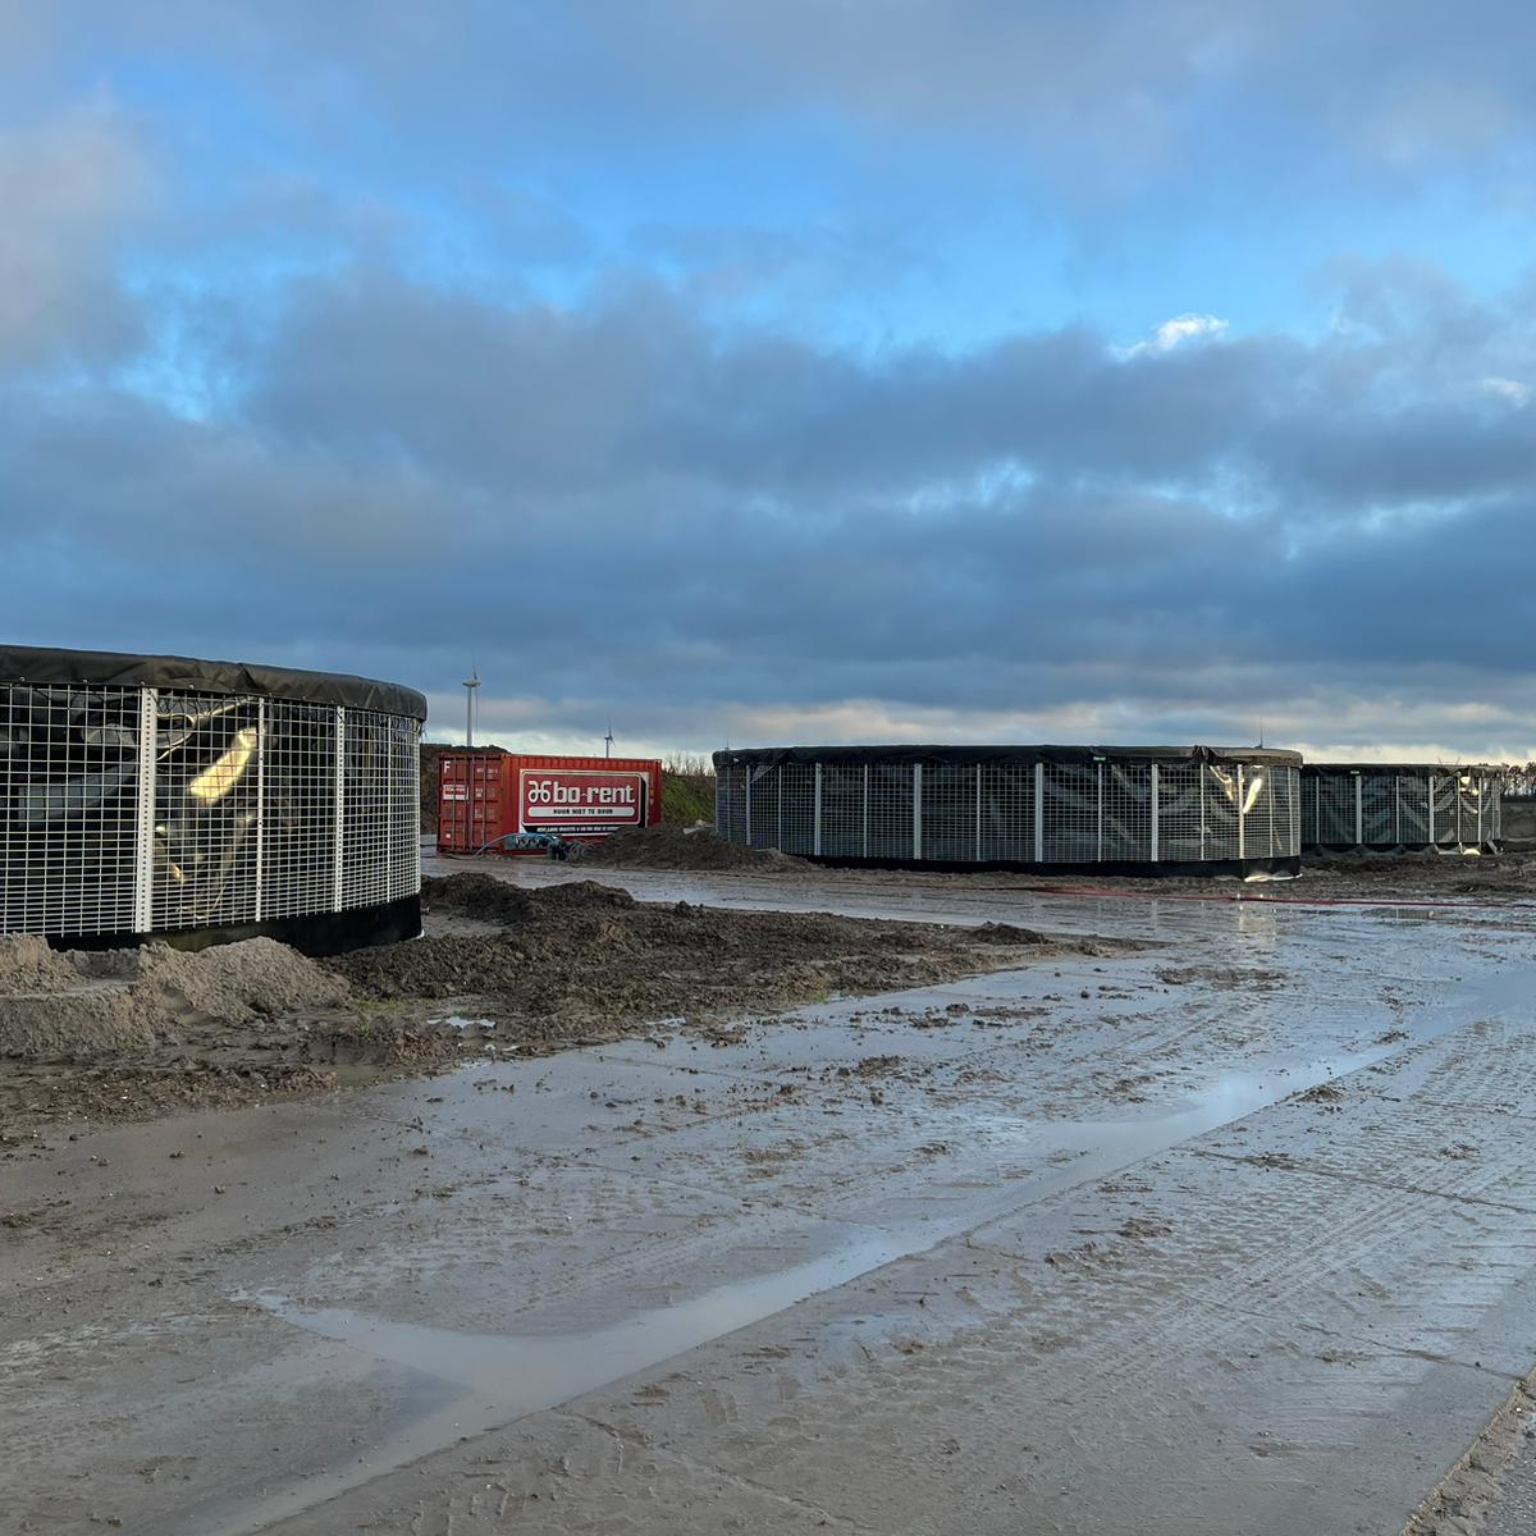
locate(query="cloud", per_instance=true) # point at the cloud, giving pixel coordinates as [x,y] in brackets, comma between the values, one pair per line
[1176,332]
[68,192]
[1098,101]
[357,410]
[1511,391]
[617,506]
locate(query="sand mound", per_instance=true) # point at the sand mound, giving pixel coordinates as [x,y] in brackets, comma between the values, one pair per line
[235,981]
[55,1006]
[27,964]
[674,848]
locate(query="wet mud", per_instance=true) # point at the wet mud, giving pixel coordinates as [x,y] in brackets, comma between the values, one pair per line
[501,970]
[1223,1228]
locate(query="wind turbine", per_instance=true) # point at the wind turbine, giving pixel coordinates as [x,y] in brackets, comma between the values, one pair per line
[470,684]
[608,739]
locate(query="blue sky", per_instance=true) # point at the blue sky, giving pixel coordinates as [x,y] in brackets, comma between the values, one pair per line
[946,369]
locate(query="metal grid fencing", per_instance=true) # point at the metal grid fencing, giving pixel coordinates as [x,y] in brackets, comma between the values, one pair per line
[1390,808]
[139,810]
[1103,810]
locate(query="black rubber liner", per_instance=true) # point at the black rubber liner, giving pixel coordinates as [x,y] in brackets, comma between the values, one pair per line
[1388,850]
[1197,869]
[319,934]
[767,757]
[112,669]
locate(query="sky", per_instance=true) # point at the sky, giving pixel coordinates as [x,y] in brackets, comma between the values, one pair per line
[822,371]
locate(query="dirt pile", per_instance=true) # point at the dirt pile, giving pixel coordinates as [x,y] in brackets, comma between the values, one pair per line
[28,964]
[479,896]
[677,848]
[144,1031]
[584,961]
[62,1006]
[1416,877]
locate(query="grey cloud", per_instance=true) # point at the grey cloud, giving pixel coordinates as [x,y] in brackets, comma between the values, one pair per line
[1096,97]
[68,191]
[622,505]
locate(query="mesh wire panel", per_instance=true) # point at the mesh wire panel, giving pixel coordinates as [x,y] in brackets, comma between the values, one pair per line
[1308,810]
[1443,796]
[731,802]
[1379,809]
[1469,810]
[1285,811]
[299,831]
[1071,813]
[842,810]
[1449,809]
[1413,793]
[1127,818]
[1335,814]
[950,823]
[207,773]
[1123,810]
[1223,797]
[762,805]
[405,806]
[367,848]
[128,810]
[797,808]
[890,811]
[1181,812]
[1263,834]
[68,796]
[1008,812]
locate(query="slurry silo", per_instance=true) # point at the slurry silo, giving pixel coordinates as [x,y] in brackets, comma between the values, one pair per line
[1110,810]
[203,801]
[1401,807]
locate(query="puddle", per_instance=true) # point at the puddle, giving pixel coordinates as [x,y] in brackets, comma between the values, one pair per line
[500,1378]
[491,1380]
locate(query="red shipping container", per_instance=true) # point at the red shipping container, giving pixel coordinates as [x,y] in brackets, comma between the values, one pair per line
[484,797]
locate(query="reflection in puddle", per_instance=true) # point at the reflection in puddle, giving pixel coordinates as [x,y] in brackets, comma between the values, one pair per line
[476,1382]
[503,1377]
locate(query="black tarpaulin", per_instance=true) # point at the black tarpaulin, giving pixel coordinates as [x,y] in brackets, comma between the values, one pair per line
[43,668]
[1403,770]
[769,756]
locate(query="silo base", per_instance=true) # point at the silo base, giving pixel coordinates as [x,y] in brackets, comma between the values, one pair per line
[317,934]
[1397,850]
[1189,869]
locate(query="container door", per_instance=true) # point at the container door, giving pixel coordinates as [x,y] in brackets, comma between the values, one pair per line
[469,803]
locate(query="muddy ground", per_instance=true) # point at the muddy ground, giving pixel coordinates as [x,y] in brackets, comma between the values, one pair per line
[501,971]
[1324,877]
[1229,1232]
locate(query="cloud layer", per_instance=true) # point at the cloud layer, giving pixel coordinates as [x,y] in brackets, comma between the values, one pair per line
[302,412]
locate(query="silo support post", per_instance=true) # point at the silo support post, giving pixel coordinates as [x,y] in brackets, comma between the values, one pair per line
[917,810]
[261,805]
[1039,813]
[816,823]
[1242,818]
[978,813]
[866,810]
[339,798]
[144,814]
